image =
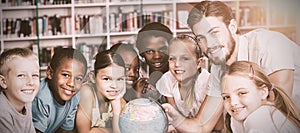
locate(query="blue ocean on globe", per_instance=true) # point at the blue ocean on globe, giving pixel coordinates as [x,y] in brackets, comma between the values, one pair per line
[143,116]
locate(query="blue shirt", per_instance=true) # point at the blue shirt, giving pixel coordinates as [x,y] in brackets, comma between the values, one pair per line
[48,115]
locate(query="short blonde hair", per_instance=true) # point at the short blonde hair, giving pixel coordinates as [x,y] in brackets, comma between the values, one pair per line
[10,54]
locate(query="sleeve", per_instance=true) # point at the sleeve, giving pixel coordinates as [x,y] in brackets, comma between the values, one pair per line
[69,122]
[278,54]
[6,125]
[40,114]
[256,121]
[164,84]
[214,85]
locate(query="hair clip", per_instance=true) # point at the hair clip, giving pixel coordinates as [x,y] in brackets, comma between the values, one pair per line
[251,73]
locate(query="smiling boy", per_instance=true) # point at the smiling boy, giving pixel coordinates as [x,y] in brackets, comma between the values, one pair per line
[19,81]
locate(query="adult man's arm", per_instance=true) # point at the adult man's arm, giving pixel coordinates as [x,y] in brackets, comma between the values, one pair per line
[207,117]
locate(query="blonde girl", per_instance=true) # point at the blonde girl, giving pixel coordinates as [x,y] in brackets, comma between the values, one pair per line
[254,103]
[184,85]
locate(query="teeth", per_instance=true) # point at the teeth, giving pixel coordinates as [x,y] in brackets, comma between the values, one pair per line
[68,92]
[28,91]
[129,82]
[179,71]
[157,64]
[112,92]
[238,109]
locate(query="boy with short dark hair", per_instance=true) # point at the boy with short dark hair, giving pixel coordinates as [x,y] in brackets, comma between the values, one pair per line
[54,108]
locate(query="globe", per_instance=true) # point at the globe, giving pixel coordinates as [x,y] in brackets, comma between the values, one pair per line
[143,116]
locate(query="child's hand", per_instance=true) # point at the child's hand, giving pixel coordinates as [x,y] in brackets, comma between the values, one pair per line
[116,105]
[171,129]
[174,116]
[142,85]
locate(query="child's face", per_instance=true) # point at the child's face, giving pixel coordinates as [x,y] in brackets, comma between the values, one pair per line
[110,81]
[68,78]
[156,53]
[132,67]
[240,96]
[182,61]
[22,81]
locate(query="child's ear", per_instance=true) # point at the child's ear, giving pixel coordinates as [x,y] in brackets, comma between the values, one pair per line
[49,72]
[200,62]
[3,82]
[264,92]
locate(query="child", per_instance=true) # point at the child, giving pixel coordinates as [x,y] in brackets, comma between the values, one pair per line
[54,108]
[152,43]
[132,67]
[100,107]
[19,81]
[134,83]
[185,84]
[255,104]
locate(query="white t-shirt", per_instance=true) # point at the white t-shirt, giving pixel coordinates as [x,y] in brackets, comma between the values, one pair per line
[167,85]
[271,50]
[266,119]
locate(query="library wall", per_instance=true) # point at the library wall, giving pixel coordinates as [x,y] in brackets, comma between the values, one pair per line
[87,24]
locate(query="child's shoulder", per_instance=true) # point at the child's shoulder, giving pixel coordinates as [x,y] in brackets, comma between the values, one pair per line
[44,90]
[86,90]
[262,114]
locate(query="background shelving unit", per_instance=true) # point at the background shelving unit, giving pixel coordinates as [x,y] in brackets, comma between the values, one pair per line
[86,24]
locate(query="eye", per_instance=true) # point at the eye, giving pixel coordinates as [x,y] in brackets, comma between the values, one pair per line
[225,97]
[172,58]
[127,68]
[185,58]
[149,51]
[214,33]
[121,79]
[137,69]
[106,78]
[66,75]
[242,93]
[21,75]
[36,75]
[79,79]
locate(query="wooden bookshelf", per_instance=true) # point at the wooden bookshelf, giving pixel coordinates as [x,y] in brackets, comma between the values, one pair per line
[96,22]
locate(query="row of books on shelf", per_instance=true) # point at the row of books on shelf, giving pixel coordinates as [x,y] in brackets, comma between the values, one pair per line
[88,50]
[29,27]
[54,2]
[132,21]
[84,24]
[8,3]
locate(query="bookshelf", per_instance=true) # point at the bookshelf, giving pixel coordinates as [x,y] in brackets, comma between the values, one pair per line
[86,24]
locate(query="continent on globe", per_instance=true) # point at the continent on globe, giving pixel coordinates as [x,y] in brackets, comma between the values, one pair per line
[143,116]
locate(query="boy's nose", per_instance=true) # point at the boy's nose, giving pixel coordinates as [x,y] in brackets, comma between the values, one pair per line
[157,54]
[70,82]
[30,80]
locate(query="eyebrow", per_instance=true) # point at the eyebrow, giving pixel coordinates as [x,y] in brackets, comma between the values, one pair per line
[212,29]
[234,90]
